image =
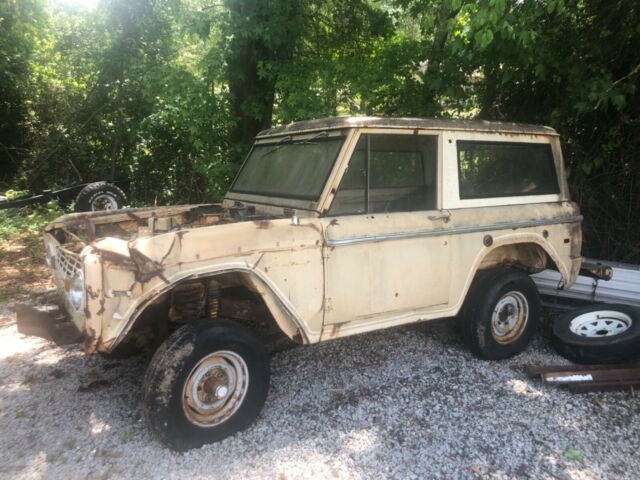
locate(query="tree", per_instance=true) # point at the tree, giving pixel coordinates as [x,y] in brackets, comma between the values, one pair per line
[19,24]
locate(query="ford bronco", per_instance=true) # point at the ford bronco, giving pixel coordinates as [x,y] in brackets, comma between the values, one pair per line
[332,227]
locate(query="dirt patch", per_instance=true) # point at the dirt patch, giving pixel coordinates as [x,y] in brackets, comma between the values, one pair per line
[22,269]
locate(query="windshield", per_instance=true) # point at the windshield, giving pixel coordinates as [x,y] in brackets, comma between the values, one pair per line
[289,168]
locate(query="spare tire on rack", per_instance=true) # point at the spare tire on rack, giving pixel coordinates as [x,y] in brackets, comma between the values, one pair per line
[100,196]
[600,333]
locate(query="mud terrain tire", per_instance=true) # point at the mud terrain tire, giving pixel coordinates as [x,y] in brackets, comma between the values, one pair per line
[99,196]
[207,381]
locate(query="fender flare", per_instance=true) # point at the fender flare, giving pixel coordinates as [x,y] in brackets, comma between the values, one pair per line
[516,239]
[285,315]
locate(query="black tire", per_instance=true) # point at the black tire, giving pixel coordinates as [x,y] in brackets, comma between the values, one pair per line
[174,364]
[612,348]
[488,289]
[96,191]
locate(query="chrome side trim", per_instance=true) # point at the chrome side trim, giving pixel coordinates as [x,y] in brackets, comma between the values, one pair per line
[451,231]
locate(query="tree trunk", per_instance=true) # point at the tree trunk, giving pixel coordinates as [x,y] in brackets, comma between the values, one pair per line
[264,35]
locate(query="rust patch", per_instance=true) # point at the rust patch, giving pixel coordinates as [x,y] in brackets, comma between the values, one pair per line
[91,342]
[147,268]
[298,338]
[90,228]
[132,216]
[335,329]
[312,226]
[574,231]
[263,224]
[101,311]
[177,236]
[91,293]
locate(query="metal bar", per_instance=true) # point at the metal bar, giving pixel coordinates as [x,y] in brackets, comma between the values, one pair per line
[537,370]
[23,202]
[593,375]
[598,270]
[602,386]
[42,197]
[367,172]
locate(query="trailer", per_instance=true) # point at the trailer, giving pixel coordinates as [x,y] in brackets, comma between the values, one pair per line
[88,197]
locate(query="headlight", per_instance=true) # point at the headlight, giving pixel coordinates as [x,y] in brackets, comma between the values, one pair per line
[76,292]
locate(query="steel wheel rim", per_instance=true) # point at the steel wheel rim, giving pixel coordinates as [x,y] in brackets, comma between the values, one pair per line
[601,323]
[509,317]
[215,388]
[104,201]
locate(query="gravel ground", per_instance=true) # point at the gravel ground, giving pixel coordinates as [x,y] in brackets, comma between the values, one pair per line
[403,403]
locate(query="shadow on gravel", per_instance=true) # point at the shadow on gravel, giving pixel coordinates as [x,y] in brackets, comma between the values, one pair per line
[409,402]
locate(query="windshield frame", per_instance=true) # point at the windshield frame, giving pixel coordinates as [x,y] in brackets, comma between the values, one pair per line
[309,202]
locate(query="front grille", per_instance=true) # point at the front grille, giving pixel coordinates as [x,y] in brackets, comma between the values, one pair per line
[67,264]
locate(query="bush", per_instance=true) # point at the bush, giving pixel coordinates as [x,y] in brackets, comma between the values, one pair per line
[28,222]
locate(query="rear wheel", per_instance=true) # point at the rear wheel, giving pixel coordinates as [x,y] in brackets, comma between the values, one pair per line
[206,382]
[501,314]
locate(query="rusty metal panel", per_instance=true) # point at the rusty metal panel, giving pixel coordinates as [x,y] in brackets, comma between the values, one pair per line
[322,277]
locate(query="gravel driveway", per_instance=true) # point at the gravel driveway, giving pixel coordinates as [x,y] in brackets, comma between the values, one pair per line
[403,403]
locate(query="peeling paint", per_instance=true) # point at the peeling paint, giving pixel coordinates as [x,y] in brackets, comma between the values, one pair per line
[316,285]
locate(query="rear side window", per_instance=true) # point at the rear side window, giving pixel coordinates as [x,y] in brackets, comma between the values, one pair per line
[501,169]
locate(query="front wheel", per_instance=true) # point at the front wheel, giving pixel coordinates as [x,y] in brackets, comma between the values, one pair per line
[501,314]
[207,381]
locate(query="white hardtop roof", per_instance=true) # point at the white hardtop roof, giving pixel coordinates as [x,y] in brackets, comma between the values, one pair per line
[337,123]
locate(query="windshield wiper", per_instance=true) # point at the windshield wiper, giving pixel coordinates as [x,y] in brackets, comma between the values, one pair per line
[288,140]
[310,140]
[279,145]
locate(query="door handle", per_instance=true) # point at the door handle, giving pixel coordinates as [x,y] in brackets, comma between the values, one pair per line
[444,217]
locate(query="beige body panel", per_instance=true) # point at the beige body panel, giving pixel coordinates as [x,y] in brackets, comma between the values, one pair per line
[325,277]
[406,273]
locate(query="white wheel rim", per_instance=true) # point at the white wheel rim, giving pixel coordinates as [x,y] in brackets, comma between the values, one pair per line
[601,323]
[104,201]
[215,388]
[509,317]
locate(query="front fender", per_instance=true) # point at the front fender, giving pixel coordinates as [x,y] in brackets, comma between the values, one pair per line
[283,312]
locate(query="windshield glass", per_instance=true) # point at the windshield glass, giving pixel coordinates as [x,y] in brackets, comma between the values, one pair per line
[289,168]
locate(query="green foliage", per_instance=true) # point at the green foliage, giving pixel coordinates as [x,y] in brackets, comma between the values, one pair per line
[27,221]
[13,194]
[574,455]
[164,97]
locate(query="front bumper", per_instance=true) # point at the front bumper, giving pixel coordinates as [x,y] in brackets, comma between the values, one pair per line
[54,324]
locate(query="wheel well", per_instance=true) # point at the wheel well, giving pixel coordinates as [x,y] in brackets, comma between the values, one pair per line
[230,295]
[529,257]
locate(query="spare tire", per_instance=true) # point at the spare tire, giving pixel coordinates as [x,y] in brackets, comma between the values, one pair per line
[100,196]
[600,333]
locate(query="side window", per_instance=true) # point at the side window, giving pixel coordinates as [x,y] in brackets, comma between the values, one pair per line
[502,169]
[389,173]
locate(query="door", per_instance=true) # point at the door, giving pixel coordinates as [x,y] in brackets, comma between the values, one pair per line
[387,254]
